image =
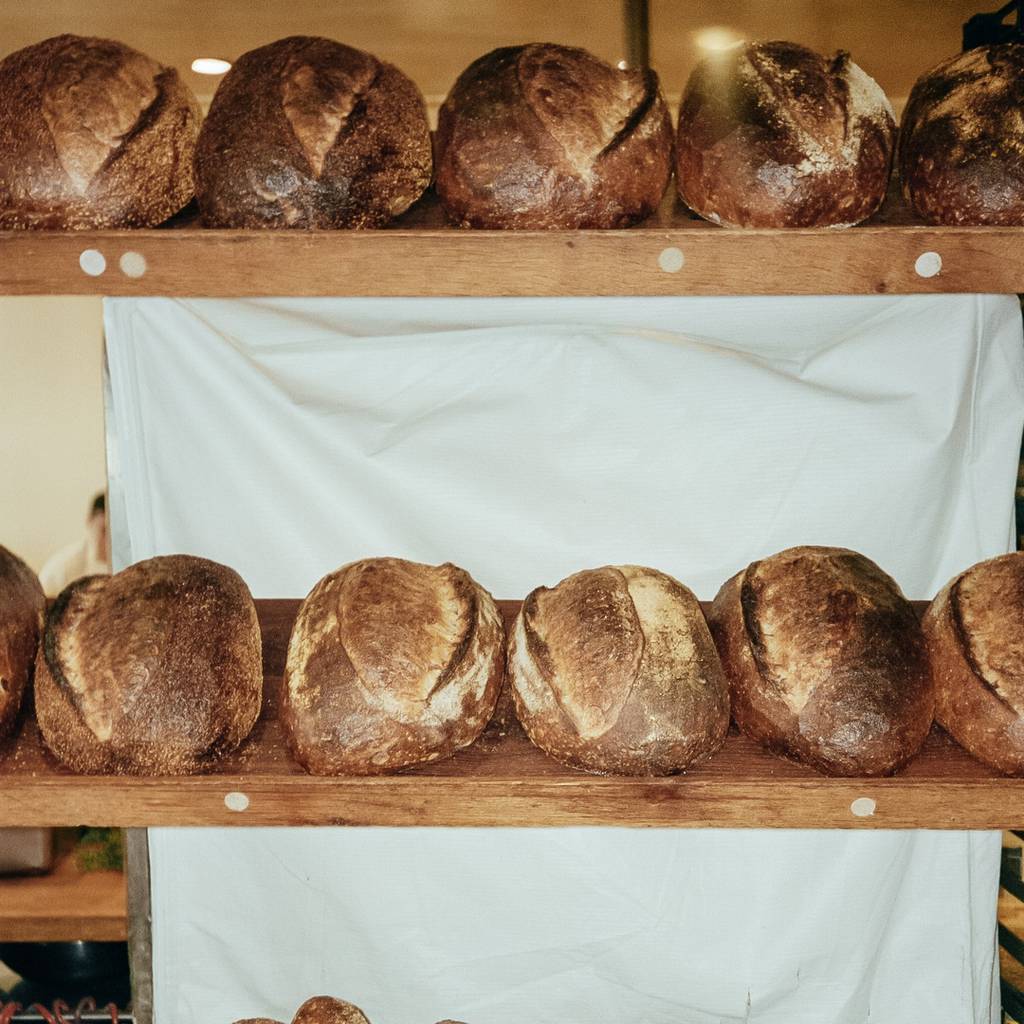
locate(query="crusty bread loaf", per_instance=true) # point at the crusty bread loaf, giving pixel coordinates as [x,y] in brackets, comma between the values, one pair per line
[257,1020]
[826,661]
[390,663]
[327,1010]
[774,135]
[22,604]
[614,671]
[154,671]
[546,136]
[961,151]
[93,134]
[308,133]
[975,631]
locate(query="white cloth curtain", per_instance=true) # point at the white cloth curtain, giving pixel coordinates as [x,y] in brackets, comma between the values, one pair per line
[525,439]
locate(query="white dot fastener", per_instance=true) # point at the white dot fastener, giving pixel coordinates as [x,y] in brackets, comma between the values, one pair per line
[671,260]
[133,264]
[92,262]
[863,807]
[236,801]
[928,264]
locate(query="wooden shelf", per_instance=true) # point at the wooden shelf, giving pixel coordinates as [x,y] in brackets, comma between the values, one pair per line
[503,780]
[672,253]
[65,905]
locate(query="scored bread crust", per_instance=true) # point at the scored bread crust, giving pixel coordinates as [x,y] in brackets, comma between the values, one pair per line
[961,149]
[546,136]
[154,671]
[826,661]
[309,133]
[22,606]
[93,134]
[774,135]
[975,632]
[390,663]
[614,671]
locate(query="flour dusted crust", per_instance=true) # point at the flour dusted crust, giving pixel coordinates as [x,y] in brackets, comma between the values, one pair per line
[546,136]
[826,661]
[975,631]
[93,134]
[774,135]
[391,663]
[154,671]
[614,671]
[308,133]
[22,605]
[961,152]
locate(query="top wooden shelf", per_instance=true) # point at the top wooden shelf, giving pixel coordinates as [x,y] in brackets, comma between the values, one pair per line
[672,253]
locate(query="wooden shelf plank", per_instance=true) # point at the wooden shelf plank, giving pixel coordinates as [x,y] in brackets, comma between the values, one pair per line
[421,256]
[65,905]
[503,780]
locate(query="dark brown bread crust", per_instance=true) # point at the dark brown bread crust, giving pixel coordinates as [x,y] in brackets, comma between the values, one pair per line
[546,136]
[774,135]
[22,606]
[391,663]
[614,671]
[975,631]
[93,134]
[961,152]
[308,133]
[826,661]
[154,671]
[327,1010]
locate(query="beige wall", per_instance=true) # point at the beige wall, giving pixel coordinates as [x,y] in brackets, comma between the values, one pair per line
[51,421]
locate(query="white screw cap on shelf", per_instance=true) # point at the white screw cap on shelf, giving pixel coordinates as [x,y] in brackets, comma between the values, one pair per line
[236,801]
[92,262]
[928,264]
[671,260]
[133,264]
[863,807]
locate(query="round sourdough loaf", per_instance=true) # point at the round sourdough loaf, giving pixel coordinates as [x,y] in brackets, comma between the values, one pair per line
[614,671]
[22,605]
[975,631]
[327,1010]
[308,133]
[546,136]
[826,661]
[93,134]
[774,135]
[391,663]
[154,671]
[961,151]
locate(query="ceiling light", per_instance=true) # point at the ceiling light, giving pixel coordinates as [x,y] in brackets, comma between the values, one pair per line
[210,66]
[717,38]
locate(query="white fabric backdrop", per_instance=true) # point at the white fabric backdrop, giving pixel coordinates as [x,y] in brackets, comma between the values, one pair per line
[525,439]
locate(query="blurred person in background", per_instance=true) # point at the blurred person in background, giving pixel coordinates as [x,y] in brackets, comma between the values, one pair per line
[88,556]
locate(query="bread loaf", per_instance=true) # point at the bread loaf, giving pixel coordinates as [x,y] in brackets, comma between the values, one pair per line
[308,133]
[546,136]
[22,604]
[326,1010]
[773,135]
[961,151]
[975,631]
[390,663]
[614,671]
[93,134]
[154,671]
[826,661]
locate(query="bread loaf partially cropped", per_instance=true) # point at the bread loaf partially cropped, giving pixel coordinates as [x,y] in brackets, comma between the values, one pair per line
[961,152]
[328,1010]
[308,133]
[614,671]
[390,663]
[154,671]
[975,631]
[22,605]
[774,135]
[93,134]
[546,136]
[826,661]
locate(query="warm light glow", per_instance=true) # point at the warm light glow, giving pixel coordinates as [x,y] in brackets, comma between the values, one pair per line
[717,38]
[623,65]
[210,66]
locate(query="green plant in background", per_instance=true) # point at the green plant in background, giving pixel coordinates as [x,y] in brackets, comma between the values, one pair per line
[100,849]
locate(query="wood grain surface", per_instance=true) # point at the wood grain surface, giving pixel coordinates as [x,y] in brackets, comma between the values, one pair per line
[503,780]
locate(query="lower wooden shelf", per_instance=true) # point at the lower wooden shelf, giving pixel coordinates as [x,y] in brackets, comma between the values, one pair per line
[503,780]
